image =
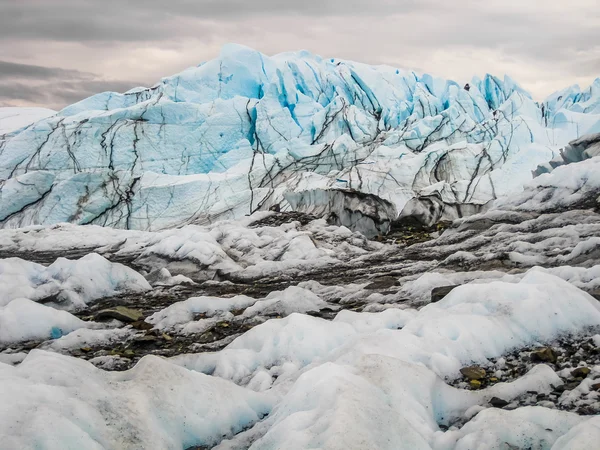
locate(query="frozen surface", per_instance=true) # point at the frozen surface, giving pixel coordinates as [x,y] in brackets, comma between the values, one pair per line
[245,132]
[363,380]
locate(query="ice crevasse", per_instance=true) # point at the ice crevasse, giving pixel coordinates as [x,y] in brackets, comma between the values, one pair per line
[237,133]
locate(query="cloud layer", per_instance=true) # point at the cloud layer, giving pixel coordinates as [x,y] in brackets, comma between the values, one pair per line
[55,52]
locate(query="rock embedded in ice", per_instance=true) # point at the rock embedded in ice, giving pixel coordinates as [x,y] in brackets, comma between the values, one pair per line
[440,292]
[546,354]
[473,372]
[121,313]
[382,283]
[498,402]
[581,372]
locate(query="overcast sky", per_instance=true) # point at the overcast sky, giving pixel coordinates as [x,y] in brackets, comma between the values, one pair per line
[55,52]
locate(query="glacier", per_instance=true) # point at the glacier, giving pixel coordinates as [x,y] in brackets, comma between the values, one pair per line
[291,252]
[246,132]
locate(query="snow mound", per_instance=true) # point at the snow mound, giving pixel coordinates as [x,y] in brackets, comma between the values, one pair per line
[363,380]
[154,405]
[181,316]
[293,300]
[67,284]
[23,320]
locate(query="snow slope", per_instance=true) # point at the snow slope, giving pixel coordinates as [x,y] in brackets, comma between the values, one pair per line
[15,118]
[235,134]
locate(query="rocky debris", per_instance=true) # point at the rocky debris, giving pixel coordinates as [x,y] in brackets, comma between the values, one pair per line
[546,354]
[473,373]
[498,402]
[574,354]
[407,231]
[121,313]
[576,360]
[367,213]
[382,283]
[279,218]
[439,293]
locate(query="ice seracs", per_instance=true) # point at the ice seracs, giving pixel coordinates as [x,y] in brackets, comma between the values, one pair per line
[236,134]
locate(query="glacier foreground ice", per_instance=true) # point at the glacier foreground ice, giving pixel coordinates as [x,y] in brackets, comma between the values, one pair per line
[235,134]
[340,384]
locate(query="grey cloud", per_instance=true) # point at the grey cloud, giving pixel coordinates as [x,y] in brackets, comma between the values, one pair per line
[51,86]
[12,70]
[57,95]
[143,40]
[114,20]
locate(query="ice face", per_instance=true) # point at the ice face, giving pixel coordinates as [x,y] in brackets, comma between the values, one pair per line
[237,133]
